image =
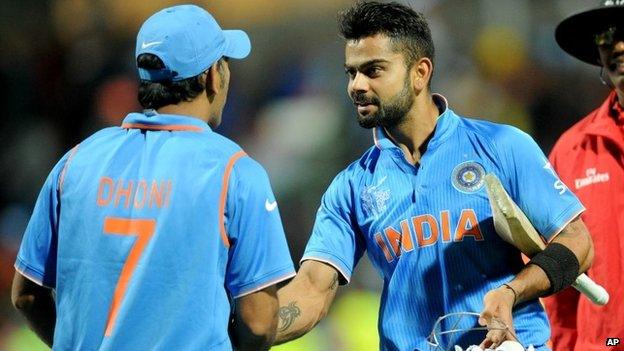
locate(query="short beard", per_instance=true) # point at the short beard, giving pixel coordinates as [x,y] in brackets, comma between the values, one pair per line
[393,112]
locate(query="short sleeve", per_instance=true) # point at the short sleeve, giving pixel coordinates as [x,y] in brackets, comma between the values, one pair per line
[335,239]
[258,255]
[535,186]
[36,258]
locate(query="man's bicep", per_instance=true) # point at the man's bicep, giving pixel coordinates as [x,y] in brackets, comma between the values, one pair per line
[321,276]
[575,237]
[24,289]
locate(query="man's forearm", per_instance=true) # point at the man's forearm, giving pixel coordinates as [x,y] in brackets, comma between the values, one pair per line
[533,282]
[255,320]
[529,284]
[40,312]
[303,303]
[245,339]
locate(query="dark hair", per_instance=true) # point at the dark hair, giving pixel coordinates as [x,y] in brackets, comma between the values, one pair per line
[407,29]
[154,95]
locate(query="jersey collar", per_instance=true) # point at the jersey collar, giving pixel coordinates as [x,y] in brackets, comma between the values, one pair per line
[617,111]
[604,122]
[152,120]
[443,127]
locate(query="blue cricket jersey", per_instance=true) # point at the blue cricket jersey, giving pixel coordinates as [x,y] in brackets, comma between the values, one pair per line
[428,228]
[147,231]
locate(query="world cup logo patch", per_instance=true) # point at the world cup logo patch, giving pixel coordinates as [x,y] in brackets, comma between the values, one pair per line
[374,198]
[468,177]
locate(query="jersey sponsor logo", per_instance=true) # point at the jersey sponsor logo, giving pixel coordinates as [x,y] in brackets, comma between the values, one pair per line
[427,230]
[270,206]
[134,193]
[375,197]
[591,177]
[467,177]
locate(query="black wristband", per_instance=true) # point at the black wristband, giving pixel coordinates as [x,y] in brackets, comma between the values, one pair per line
[560,265]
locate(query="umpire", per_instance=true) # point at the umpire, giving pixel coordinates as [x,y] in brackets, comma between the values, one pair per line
[589,158]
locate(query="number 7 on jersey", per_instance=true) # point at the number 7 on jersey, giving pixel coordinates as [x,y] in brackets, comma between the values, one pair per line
[143,229]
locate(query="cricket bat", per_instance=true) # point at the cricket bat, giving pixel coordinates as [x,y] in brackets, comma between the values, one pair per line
[514,227]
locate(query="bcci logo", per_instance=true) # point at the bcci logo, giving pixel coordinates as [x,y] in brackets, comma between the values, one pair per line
[374,198]
[467,177]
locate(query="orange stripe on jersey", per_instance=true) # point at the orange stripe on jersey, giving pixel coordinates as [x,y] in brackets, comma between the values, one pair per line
[62,176]
[174,127]
[223,197]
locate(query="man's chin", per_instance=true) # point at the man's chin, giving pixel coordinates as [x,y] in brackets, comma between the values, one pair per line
[368,121]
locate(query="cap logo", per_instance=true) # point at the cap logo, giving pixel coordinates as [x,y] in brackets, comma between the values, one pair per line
[613,2]
[145,45]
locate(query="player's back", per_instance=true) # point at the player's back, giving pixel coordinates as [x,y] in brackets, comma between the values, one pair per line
[141,260]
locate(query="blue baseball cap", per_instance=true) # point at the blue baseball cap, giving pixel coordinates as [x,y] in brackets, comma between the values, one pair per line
[188,40]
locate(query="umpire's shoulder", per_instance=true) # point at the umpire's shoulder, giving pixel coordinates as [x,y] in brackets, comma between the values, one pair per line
[576,135]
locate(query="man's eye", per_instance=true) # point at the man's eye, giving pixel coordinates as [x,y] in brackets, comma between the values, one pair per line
[373,71]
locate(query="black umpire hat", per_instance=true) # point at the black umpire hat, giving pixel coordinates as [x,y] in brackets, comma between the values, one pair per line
[576,33]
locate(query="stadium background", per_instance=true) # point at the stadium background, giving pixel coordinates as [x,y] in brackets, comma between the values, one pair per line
[66,70]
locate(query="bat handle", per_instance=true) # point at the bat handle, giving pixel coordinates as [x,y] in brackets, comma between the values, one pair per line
[596,293]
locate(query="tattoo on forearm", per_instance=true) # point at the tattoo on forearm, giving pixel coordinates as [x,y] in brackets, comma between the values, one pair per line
[335,282]
[287,316]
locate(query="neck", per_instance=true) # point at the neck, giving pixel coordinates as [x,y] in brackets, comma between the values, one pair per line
[197,108]
[414,133]
[620,95]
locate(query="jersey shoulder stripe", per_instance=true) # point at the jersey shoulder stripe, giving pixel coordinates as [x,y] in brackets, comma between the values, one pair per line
[224,192]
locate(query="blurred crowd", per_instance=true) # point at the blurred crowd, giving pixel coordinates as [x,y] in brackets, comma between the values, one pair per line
[67,70]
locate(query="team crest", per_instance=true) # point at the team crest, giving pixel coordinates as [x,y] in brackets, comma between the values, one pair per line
[374,198]
[467,177]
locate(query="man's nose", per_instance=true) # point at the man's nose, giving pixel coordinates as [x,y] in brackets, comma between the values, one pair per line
[359,84]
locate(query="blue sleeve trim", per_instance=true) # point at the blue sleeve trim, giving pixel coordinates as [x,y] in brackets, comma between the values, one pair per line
[264,281]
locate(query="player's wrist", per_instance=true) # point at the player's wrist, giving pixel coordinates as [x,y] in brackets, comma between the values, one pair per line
[510,291]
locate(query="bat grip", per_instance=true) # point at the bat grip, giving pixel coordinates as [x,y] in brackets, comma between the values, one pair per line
[596,293]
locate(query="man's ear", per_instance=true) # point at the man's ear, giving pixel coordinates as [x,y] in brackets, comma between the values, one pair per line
[213,80]
[421,73]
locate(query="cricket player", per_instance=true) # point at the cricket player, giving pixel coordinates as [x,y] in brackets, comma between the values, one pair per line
[159,234]
[416,203]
